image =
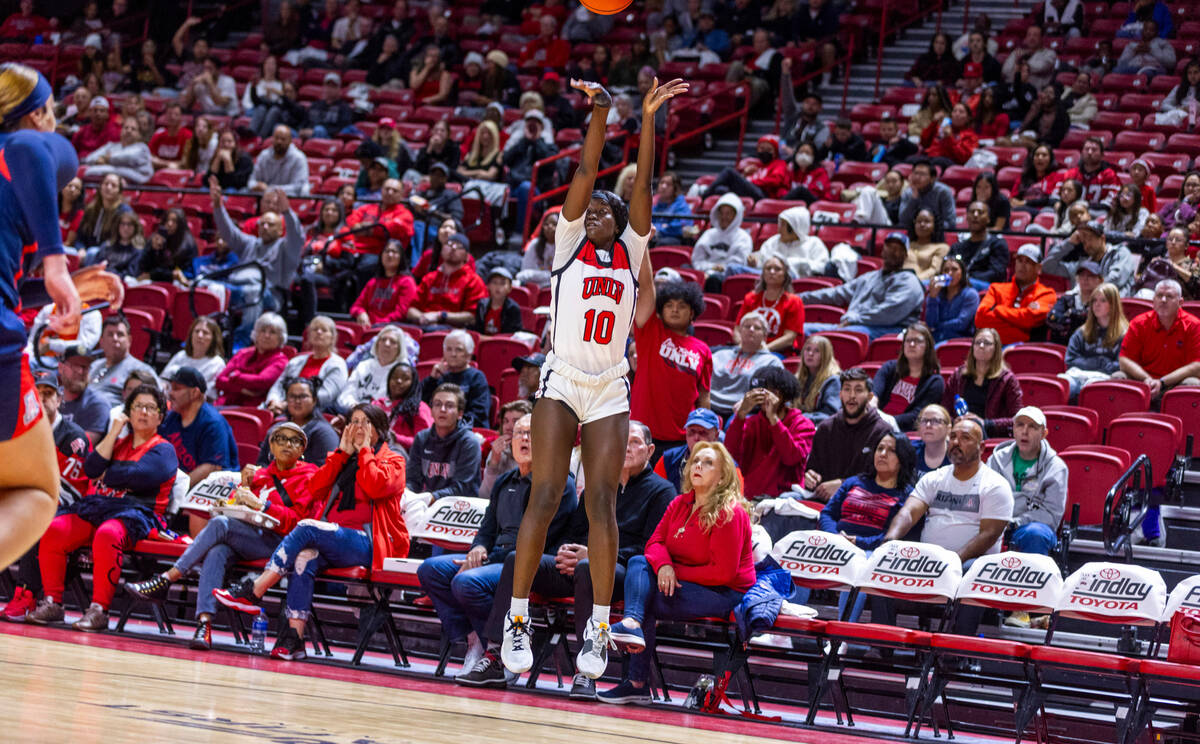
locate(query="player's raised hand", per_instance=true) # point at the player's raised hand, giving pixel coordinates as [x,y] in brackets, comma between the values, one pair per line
[660,94]
[594,91]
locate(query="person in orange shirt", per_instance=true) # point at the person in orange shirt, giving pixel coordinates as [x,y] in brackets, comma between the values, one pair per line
[1017,309]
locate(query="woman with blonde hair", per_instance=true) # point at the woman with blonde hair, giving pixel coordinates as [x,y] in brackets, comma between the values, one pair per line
[99,223]
[986,384]
[698,563]
[39,163]
[933,426]
[1094,347]
[624,186]
[530,101]
[820,389]
[481,167]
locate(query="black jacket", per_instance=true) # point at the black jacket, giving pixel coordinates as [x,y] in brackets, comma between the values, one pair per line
[520,157]
[929,391]
[641,504]
[502,518]
[510,317]
[986,260]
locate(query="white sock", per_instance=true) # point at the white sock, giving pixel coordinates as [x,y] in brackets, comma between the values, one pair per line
[519,607]
[600,613]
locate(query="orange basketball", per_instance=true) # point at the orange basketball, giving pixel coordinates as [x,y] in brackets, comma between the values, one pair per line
[606,7]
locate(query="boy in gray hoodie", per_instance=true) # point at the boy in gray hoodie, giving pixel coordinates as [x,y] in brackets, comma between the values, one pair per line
[1038,478]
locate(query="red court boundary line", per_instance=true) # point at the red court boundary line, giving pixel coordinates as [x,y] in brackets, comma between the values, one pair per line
[671,716]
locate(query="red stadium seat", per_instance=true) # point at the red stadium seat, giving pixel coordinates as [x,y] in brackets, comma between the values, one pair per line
[1167,163]
[851,173]
[1184,402]
[849,347]
[1091,474]
[246,428]
[1133,306]
[884,348]
[823,314]
[716,307]
[735,287]
[1067,426]
[671,255]
[494,354]
[1187,144]
[713,333]
[1044,390]
[952,353]
[1157,436]
[1142,103]
[173,178]
[206,303]
[1116,121]
[1026,358]
[1111,398]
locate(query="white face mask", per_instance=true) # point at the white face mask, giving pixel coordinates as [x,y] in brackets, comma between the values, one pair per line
[804,160]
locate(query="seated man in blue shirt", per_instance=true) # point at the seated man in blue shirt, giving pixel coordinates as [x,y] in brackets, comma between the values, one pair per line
[202,438]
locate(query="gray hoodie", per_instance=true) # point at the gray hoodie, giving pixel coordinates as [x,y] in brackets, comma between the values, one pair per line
[1043,493]
[806,256]
[723,247]
[875,298]
[1118,265]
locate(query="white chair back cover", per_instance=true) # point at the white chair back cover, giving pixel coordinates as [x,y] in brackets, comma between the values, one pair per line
[1012,581]
[1185,597]
[451,522]
[918,572]
[1114,593]
[820,560]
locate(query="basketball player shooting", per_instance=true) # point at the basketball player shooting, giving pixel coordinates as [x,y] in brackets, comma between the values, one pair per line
[601,283]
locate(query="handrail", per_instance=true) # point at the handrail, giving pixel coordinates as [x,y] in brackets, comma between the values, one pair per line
[1125,506]
[846,60]
[568,152]
[740,114]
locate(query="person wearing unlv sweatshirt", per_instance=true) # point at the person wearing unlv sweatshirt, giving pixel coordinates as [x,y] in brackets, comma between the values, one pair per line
[359,521]
[133,474]
[444,460]
[772,444]
[698,563]
[279,490]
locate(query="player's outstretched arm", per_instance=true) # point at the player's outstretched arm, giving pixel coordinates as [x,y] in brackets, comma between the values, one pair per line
[580,191]
[640,204]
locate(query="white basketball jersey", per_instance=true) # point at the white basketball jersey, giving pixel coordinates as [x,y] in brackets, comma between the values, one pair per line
[593,296]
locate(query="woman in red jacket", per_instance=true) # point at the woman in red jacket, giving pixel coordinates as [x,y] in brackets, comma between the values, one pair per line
[953,143]
[279,490]
[770,439]
[360,525]
[698,563]
[771,178]
[253,370]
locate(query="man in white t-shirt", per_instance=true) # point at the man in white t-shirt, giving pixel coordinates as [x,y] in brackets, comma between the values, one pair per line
[967,507]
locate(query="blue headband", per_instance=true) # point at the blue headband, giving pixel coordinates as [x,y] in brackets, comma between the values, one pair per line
[34,101]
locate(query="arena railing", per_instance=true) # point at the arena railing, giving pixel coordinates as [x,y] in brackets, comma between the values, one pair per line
[570,152]
[740,114]
[844,61]
[923,10]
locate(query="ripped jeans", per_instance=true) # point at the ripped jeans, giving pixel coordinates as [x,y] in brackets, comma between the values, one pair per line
[308,549]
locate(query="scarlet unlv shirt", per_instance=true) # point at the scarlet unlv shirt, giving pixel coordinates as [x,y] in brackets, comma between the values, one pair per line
[785,314]
[458,292]
[672,370]
[169,146]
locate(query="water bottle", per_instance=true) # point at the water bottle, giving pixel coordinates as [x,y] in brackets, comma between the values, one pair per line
[258,634]
[943,280]
[960,406]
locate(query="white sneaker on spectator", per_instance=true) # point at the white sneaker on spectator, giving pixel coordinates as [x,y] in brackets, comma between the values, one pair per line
[593,654]
[474,653]
[517,648]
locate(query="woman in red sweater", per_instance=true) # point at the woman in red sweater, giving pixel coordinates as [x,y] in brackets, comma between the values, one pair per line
[698,563]
[387,296]
[953,143]
[770,439]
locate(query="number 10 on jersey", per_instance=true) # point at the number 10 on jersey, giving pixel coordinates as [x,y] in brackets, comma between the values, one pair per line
[598,326]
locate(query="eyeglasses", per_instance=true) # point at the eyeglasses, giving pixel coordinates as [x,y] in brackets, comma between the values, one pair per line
[932,422]
[984,342]
[288,441]
[145,407]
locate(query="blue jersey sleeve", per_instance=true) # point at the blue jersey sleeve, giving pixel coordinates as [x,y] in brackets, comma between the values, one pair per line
[36,163]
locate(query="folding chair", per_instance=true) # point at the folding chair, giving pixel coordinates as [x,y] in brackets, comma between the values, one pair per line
[1100,592]
[1169,684]
[917,572]
[1008,581]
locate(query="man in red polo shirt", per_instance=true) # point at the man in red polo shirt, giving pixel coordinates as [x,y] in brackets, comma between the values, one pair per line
[394,217]
[448,296]
[1162,348]
[168,143]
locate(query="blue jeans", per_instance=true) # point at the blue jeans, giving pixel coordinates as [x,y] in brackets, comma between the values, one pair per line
[522,194]
[873,332]
[1035,537]
[644,604]
[221,542]
[321,131]
[462,599]
[307,550]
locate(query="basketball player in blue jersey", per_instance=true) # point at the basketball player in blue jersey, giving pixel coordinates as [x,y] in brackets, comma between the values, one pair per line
[601,283]
[35,164]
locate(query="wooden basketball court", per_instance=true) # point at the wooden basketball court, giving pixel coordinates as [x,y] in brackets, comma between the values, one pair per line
[63,686]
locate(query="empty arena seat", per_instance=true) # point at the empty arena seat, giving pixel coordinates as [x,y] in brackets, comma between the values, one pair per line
[1111,398]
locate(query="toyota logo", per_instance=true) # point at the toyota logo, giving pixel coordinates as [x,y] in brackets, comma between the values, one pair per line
[461,505]
[909,552]
[1109,573]
[1010,562]
[817,540]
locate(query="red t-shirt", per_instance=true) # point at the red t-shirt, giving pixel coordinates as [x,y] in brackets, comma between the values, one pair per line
[312,367]
[672,370]
[169,146]
[491,321]
[385,300]
[785,314]
[458,292]
[902,395]
[1161,352]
